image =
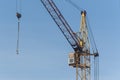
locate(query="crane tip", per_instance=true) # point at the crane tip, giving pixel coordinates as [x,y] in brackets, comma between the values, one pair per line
[84,12]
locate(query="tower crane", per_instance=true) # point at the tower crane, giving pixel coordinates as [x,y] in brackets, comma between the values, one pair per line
[80,42]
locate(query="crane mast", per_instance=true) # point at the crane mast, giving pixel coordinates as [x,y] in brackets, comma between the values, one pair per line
[81,58]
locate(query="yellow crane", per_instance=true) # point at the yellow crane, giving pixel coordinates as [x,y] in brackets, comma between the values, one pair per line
[83,44]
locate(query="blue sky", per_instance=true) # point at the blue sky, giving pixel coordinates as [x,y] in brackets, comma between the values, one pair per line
[43,48]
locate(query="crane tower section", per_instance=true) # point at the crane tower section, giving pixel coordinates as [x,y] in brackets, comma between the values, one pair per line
[84,32]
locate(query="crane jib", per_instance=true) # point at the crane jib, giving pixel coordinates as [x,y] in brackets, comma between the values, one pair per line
[62,24]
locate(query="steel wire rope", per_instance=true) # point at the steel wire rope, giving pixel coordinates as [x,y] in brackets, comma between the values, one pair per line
[92,40]
[74,5]
[96,58]
[96,68]
[18,15]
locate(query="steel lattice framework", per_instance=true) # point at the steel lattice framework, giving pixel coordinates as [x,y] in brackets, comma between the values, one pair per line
[80,43]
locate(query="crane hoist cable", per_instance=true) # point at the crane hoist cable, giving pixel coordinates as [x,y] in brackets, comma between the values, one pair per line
[74,5]
[95,51]
[18,15]
[94,46]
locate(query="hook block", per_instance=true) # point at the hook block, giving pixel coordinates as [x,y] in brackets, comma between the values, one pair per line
[18,15]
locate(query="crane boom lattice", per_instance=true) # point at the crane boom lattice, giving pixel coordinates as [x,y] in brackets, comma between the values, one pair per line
[62,24]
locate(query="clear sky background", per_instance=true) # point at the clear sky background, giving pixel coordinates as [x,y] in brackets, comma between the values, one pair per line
[43,48]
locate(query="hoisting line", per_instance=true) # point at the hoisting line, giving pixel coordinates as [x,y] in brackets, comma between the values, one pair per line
[74,5]
[18,15]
